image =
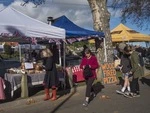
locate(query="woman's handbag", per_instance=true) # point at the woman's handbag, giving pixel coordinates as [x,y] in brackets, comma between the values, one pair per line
[87,72]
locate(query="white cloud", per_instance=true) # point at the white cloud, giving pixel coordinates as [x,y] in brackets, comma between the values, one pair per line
[78,11]
[79,14]
[75,2]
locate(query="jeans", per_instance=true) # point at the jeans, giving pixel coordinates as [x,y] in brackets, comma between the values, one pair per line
[135,85]
[89,88]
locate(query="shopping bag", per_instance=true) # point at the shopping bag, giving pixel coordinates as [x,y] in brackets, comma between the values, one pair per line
[87,72]
[117,62]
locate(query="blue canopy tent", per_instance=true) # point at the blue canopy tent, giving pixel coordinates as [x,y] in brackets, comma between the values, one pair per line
[72,30]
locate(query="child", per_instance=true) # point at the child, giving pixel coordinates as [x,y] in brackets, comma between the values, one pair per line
[125,68]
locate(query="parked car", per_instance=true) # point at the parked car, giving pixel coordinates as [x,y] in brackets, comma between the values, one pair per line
[6,64]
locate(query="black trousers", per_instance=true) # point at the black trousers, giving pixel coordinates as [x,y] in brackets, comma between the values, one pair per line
[135,85]
[89,88]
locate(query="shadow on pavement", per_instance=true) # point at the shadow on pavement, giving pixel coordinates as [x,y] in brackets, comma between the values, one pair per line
[73,92]
[97,87]
[33,91]
[145,81]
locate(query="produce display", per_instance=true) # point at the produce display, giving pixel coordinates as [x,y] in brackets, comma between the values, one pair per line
[37,68]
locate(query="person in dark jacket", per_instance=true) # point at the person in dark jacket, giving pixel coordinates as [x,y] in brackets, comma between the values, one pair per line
[51,79]
[83,51]
[92,62]
[137,71]
[125,69]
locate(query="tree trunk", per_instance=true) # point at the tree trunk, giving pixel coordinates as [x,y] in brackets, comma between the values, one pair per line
[101,18]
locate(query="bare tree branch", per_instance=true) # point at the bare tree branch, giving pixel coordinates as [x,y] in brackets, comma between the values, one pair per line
[136,10]
[35,2]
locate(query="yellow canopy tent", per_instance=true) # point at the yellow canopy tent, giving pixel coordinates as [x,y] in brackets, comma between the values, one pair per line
[122,33]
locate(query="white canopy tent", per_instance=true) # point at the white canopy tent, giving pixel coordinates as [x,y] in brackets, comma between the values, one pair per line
[18,27]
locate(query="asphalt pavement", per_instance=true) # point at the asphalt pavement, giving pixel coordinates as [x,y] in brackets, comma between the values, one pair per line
[106,101]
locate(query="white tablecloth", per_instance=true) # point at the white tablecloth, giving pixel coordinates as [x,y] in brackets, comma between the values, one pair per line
[15,80]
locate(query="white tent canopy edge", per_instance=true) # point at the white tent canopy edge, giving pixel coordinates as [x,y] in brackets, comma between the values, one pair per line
[13,22]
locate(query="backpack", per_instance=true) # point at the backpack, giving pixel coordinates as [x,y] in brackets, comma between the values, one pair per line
[141,61]
[87,72]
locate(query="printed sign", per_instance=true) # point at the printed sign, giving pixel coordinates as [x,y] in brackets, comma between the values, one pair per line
[28,65]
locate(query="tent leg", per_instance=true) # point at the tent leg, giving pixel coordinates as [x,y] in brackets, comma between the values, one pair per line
[64,55]
[60,63]
[64,62]
[19,52]
[105,52]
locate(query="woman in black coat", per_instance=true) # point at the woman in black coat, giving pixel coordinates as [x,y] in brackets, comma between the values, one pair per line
[51,78]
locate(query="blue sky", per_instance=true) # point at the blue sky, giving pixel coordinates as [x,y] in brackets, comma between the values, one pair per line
[77,11]
[6,2]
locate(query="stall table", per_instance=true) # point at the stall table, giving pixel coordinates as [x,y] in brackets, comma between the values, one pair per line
[33,79]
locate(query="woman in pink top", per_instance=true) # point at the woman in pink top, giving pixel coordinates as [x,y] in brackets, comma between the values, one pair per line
[92,62]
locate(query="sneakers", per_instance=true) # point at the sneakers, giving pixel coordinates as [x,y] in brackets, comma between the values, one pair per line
[128,95]
[119,92]
[131,95]
[85,103]
[135,95]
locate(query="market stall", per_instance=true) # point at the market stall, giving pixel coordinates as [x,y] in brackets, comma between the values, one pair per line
[75,33]
[18,27]
[32,80]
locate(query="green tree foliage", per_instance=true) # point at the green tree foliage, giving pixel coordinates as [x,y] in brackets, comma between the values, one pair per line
[80,44]
[8,50]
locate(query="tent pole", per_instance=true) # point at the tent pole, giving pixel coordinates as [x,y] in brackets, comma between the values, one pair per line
[105,52]
[64,55]
[30,56]
[64,62]
[60,63]
[19,52]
